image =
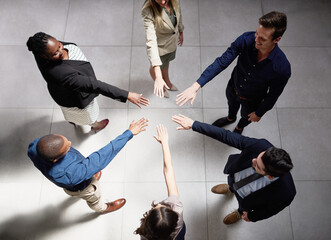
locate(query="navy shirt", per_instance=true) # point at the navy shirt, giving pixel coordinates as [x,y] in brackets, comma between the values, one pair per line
[261,82]
[74,171]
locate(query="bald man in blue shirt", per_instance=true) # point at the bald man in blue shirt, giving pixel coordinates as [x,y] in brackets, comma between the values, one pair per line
[258,79]
[78,175]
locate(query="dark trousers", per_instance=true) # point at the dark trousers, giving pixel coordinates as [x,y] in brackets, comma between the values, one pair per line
[234,103]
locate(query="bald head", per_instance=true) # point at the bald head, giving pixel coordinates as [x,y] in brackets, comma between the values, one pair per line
[52,147]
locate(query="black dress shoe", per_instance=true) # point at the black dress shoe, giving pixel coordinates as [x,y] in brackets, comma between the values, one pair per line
[239,131]
[223,122]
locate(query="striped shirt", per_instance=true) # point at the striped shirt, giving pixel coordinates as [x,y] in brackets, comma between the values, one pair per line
[74,53]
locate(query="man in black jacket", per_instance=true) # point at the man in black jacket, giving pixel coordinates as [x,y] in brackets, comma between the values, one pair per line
[72,83]
[259,176]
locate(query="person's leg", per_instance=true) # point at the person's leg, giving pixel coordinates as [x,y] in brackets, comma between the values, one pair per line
[247,107]
[233,102]
[234,106]
[165,75]
[92,195]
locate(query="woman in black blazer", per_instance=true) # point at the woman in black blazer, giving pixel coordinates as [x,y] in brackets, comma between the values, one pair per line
[72,83]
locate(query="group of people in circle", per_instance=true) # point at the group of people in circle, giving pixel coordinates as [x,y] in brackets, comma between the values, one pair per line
[259,176]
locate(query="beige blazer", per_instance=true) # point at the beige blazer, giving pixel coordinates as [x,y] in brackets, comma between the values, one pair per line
[160,41]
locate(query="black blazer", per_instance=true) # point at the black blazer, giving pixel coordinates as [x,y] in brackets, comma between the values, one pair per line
[73,83]
[265,202]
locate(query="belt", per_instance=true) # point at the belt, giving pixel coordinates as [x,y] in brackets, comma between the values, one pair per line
[242,98]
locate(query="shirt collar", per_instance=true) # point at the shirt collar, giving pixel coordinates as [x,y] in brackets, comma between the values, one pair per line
[273,52]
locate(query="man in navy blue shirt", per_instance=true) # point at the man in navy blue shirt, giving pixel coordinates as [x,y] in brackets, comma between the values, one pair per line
[78,176]
[259,77]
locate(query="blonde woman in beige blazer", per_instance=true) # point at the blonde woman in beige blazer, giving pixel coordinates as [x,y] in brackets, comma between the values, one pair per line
[162,37]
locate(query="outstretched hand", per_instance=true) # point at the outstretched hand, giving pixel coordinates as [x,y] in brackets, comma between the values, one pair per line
[139,126]
[162,134]
[184,122]
[159,86]
[187,94]
[138,99]
[253,117]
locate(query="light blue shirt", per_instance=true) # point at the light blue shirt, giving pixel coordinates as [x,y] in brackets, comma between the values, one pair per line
[247,189]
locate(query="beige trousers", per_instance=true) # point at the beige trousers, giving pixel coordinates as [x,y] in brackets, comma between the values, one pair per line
[91,194]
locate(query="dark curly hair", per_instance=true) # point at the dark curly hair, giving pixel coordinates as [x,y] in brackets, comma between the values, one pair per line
[37,43]
[158,223]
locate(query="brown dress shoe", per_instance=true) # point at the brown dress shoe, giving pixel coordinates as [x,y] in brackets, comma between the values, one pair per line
[115,205]
[221,189]
[97,175]
[232,218]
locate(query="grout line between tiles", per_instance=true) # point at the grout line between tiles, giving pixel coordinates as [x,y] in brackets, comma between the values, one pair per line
[66,24]
[203,119]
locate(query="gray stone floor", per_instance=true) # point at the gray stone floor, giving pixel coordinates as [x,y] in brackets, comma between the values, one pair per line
[111,34]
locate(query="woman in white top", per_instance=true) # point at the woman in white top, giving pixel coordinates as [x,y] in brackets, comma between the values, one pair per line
[163,30]
[165,220]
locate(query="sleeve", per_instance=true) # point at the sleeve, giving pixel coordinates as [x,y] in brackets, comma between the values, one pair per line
[175,203]
[151,39]
[100,159]
[275,90]
[76,81]
[225,136]
[180,24]
[223,61]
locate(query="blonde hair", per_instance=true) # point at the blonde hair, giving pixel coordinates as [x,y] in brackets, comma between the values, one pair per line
[156,9]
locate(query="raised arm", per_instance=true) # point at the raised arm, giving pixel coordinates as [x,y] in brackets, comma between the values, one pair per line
[153,51]
[211,71]
[101,158]
[232,139]
[168,170]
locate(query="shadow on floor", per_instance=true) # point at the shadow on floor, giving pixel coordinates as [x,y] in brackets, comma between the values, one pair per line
[38,224]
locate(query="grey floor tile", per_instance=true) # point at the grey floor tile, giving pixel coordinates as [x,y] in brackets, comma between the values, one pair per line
[221,22]
[276,227]
[186,148]
[190,16]
[309,85]
[182,75]
[303,15]
[64,216]
[138,31]
[19,210]
[19,128]
[307,140]
[214,91]
[139,199]
[24,18]
[111,65]
[193,196]
[22,83]
[100,22]
[310,216]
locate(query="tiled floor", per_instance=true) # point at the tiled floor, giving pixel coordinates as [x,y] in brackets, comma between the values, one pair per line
[111,35]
